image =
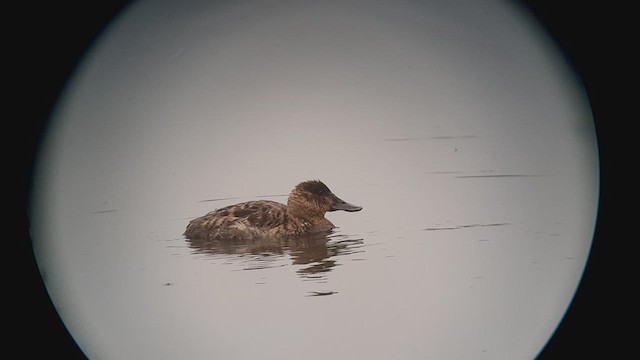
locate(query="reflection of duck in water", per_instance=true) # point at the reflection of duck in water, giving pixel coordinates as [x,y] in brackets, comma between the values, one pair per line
[317,250]
[303,215]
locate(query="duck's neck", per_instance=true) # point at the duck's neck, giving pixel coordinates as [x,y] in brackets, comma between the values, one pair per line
[296,212]
[307,219]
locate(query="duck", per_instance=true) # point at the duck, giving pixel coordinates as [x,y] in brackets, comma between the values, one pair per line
[303,214]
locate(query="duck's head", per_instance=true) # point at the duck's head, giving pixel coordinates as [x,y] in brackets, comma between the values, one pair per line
[312,198]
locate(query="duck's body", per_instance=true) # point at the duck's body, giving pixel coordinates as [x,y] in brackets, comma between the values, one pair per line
[252,219]
[303,214]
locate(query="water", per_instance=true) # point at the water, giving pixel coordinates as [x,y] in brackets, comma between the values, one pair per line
[464,137]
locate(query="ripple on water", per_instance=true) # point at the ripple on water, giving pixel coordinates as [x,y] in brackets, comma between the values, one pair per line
[313,256]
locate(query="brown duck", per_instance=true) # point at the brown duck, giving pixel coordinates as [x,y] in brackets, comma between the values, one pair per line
[303,214]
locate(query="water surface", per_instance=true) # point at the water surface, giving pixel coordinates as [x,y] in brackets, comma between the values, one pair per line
[458,128]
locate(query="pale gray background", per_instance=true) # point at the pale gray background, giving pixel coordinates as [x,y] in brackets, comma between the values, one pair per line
[438,117]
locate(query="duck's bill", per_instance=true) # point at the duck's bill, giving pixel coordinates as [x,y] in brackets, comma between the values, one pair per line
[345,206]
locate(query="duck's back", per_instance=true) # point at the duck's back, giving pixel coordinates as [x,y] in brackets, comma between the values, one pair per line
[240,221]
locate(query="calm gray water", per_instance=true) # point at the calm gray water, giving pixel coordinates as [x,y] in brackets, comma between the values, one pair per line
[457,127]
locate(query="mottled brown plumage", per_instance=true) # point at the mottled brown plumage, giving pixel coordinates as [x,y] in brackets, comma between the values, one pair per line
[303,214]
